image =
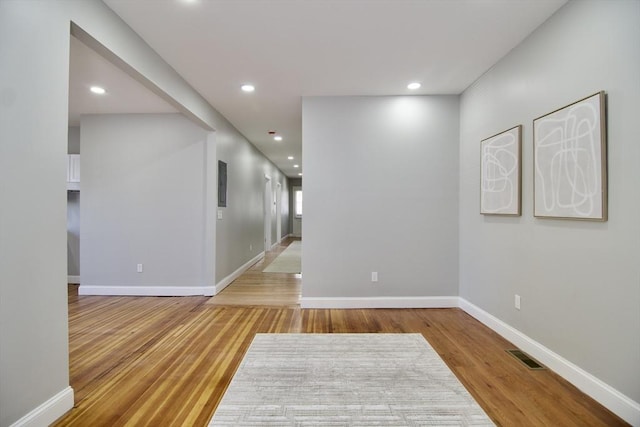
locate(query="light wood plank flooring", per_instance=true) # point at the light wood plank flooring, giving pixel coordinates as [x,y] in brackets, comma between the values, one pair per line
[162,361]
[255,288]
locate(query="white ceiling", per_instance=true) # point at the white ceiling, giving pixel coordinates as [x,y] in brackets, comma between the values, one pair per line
[294,48]
[124,94]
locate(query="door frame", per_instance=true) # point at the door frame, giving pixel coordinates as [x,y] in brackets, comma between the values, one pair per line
[268,197]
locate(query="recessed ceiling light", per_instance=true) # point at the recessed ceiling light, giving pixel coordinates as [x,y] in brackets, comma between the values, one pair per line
[296,166]
[277,138]
[97,90]
[300,174]
[248,87]
[290,157]
[414,86]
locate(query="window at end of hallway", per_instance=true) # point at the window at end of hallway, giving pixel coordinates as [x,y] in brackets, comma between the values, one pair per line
[298,200]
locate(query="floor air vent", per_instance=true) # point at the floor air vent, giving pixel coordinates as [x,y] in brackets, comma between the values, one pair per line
[528,361]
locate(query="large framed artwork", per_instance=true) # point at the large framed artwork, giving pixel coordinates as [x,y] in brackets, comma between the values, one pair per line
[500,173]
[570,161]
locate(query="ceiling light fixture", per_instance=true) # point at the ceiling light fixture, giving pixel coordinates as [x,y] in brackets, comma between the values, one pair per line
[97,90]
[414,86]
[277,138]
[290,157]
[248,87]
[296,166]
[300,174]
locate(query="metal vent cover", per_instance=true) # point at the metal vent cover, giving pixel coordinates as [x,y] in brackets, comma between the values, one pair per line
[527,360]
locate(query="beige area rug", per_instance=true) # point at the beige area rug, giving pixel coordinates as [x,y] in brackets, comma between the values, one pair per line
[346,380]
[289,261]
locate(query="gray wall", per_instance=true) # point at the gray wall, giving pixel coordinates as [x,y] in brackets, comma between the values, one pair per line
[143,200]
[73,140]
[34,76]
[73,211]
[73,233]
[579,281]
[240,233]
[398,215]
[34,47]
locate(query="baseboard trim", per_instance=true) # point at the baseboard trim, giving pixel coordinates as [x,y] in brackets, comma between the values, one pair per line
[379,302]
[616,402]
[233,276]
[74,280]
[49,411]
[145,291]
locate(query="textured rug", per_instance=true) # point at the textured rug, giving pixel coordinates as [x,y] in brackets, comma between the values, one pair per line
[289,261]
[346,380]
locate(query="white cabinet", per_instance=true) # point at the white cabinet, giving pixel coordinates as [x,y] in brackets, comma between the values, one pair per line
[73,172]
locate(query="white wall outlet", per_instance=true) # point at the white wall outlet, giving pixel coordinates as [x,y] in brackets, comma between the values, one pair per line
[374,276]
[139,268]
[517,302]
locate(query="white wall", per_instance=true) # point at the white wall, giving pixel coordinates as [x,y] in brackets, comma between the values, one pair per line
[380,190]
[144,193]
[579,281]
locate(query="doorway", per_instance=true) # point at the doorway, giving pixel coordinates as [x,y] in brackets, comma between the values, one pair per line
[296,221]
[278,212]
[268,203]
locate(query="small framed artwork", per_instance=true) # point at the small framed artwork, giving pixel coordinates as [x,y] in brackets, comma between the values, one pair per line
[570,161]
[222,184]
[500,173]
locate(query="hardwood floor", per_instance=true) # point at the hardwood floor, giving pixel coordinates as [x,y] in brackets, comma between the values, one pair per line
[255,288]
[164,361]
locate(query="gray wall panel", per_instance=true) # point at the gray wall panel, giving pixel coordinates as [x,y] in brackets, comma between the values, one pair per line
[579,281]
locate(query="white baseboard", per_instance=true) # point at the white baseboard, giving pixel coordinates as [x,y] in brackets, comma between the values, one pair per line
[49,411]
[616,402]
[145,291]
[379,302]
[233,276]
[74,280]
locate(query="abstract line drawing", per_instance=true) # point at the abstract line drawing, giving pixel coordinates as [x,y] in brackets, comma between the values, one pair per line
[570,161]
[500,176]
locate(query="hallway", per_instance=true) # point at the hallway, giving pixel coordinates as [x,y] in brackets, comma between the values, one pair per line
[255,288]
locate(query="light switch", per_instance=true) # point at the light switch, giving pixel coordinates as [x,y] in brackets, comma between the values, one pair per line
[219,214]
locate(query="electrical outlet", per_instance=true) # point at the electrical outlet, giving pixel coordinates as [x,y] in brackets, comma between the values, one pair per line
[139,268]
[517,302]
[374,276]
[250,247]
